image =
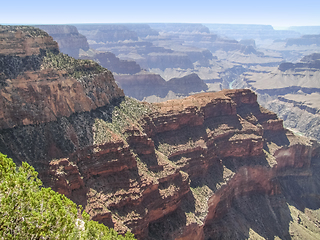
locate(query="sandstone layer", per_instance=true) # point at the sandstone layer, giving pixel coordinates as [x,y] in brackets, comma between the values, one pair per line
[173,170]
[291,90]
[24,41]
[40,85]
[209,166]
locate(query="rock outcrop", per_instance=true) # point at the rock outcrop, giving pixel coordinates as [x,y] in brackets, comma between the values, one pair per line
[107,32]
[114,64]
[212,165]
[68,38]
[143,85]
[304,40]
[252,31]
[310,62]
[292,91]
[23,41]
[180,27]
[40,85]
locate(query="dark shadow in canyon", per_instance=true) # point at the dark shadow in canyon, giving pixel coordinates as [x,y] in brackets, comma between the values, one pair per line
[303,191]
[165,227]
[268,216]
[279,138]
[67,137]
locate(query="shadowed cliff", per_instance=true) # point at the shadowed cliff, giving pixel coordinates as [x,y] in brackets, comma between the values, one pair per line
[212,165]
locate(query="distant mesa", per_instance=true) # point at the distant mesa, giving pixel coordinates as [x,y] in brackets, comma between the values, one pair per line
[311,58]
[251,31]
[292,91]
[306,30]
[70,41]
[304,40]
[250,50]
[142,30]
[141,86]
[114,64]
[180,27]
[107,32]
[248,42]
[308,62]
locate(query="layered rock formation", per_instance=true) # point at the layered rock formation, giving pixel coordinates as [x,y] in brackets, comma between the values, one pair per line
[40,85]
[252,31]
[107,32]
[141,86]
[310,62]
[212,165]
[114,64]
[291,90]
[180,27]
[24,41]
[68,38]
[304,40]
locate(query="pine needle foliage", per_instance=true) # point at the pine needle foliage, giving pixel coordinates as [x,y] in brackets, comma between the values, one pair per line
[30,211]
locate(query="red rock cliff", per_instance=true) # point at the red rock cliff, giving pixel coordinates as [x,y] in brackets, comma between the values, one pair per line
[212,165]
[34,93]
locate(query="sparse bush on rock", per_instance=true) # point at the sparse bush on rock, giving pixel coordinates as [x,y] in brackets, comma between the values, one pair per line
[30,211]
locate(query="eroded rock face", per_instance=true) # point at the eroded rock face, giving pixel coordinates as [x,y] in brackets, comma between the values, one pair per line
[292,91]
[304,40]
[44,96]
[107,32]
[24,41]
[147,178]
[212,165]
[68,38]
[34,93]
[114,64]
[143,85]
[310,62]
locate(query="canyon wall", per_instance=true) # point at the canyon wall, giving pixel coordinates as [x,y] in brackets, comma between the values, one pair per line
[70,41]
[114,64]
[291,90]
[143,85]
[212,165]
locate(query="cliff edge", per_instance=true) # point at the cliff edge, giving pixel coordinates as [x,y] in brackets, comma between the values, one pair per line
[39,84]
[212,165]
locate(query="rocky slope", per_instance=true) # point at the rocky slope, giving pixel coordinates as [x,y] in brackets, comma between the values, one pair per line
[39,84]
[24,41]
[291,90]
[212,165]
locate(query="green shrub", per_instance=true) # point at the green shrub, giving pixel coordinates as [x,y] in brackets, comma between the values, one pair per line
[74,67]
[30,211]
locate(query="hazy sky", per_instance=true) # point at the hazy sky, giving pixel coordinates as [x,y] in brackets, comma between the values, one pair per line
[273,12]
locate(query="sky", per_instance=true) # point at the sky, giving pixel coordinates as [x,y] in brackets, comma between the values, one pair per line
[278,13]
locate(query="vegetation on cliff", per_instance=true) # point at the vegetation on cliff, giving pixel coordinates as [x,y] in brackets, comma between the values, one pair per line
[12,66]
[127,113]
[29,211]
[28,30]
[25,48]
[75,68]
